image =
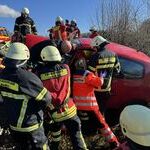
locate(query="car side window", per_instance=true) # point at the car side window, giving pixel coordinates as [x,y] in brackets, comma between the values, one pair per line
[131,69]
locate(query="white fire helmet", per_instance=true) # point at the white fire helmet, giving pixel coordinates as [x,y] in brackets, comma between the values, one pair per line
[50,53]
[135,124]
[25,11]
[93,28]
[59,19]
[97,41]
[18,51]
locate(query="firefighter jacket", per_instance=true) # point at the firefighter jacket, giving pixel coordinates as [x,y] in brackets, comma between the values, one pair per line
[24,99]
[84,83]
[56,78]
[59,32]
[74,32]
[106,62]
[25,26]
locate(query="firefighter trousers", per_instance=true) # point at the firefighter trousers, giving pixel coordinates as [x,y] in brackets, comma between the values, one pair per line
[34,140]
[73,126]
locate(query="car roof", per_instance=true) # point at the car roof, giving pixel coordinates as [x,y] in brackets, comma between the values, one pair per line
[120,50]
[128,52]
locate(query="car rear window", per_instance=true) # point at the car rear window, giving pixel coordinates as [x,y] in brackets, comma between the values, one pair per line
[131,69]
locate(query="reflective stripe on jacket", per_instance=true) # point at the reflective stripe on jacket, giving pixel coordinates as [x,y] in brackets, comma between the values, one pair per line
[57,80]
[24,98]
[84,83]
[25,26]
[59,32]
[104,61]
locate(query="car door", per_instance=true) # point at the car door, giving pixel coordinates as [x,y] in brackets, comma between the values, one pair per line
[127,85]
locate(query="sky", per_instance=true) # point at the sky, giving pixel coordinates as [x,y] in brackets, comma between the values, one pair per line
[44,12]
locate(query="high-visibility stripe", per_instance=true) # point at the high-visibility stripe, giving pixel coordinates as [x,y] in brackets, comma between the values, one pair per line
[45,147]
[41,94]
[110,137]
[68,94]
[13,96]
[23,107]
[104,66]
[56,139]
[9,84]
[92,68]
[22,113]
[27,129]
[107,60]
[84,118]
[84,98]
[55,74]
[56,28]
[83,113]
[56,133]
[68,113]
[24,24]
[82,140]
[86,104]
[105,130]
[107,88]
[108,134]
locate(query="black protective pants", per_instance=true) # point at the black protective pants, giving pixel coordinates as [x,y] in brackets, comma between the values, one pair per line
[73,126]
[34,140]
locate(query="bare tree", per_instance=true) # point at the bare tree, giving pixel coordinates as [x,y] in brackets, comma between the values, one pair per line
[123,21]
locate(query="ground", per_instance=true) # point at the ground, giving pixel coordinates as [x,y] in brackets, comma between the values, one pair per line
[94,142]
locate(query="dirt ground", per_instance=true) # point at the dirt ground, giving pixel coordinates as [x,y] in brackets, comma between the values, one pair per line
[94,142]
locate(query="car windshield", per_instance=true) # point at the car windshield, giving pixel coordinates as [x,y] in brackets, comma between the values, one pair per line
[131,69]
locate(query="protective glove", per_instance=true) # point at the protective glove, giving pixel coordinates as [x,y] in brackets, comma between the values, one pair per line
[103,74]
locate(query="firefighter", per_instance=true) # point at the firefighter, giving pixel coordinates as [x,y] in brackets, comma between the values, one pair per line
[93,31]
[134,122]
[84,83]
[67,23]
[59,30]
[56,78]
[74,31]
[24,24]
[103,61]
[24,99]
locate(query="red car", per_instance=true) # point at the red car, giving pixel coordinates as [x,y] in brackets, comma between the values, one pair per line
[131,86]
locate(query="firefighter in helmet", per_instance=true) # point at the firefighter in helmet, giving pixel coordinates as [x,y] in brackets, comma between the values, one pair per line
[134,122]
[24,24]
[94,32]
[59,32]
[74,31]
[56,78]
[24,99]
[100,62]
